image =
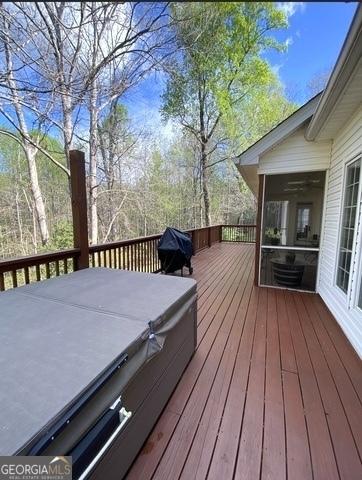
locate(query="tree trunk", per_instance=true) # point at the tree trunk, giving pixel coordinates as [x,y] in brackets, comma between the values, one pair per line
[112,210]
[29,149]
[35,241]
[203,159]
[30,153]
[19,222]
[67,122]
[205,186]
[65,80]
[93,146]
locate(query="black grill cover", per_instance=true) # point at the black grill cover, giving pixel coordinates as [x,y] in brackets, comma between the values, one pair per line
[175,250]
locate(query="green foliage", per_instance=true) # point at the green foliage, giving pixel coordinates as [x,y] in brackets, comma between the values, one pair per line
[18,229]
[258,114]
[222,44]
[272,233]
[62,236]
[118,115]
[219,72]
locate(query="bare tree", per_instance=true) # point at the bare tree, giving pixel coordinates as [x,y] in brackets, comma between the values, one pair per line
[318,82]
[75,57]
[65,72]
[25,140]
[123,45]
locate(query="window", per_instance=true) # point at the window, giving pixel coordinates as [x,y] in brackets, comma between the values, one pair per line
[275,221]
[292,209]
[348,224]
[304,213]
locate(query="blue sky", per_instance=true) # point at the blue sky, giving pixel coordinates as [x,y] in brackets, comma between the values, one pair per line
[315,36]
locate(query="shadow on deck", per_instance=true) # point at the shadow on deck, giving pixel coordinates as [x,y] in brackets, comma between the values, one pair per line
[273,391]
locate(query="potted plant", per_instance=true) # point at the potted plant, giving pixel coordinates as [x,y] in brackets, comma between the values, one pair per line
[273,235]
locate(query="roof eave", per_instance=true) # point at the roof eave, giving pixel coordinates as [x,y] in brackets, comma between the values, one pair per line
[279,133]
[347,60]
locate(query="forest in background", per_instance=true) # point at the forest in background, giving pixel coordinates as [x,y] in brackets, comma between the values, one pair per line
[67,72]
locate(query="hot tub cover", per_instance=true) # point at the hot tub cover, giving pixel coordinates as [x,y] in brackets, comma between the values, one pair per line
[60,335]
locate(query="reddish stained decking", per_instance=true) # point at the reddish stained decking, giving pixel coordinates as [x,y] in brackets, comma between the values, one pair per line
[273,392]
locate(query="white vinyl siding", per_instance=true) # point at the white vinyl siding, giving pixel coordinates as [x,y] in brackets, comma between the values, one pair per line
[295,154]
[346,147]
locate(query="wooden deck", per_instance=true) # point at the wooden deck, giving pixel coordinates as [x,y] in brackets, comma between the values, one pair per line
[274,390]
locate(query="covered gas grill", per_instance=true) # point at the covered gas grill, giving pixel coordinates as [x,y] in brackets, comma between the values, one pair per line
[88,361]
[175,251]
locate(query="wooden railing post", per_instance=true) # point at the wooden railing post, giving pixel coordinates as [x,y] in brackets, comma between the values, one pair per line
[220,233]
[209,236]
[193,241]
[79,207]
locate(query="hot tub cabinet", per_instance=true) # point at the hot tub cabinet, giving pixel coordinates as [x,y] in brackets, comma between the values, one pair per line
[88,362]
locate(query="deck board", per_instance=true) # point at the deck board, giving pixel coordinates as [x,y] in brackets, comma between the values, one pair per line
[323,459]
[274,463]
[273,391]
[299,466]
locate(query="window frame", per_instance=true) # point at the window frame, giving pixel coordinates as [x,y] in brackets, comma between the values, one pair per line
[300,205]
[351,295]
[357,287]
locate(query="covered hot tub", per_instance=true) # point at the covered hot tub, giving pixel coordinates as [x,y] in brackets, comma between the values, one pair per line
[88,361]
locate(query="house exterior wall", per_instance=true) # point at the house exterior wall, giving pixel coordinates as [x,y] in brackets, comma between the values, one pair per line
[295,154]
[346,146]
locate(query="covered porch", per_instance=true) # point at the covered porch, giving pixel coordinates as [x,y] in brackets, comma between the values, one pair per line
[273,391]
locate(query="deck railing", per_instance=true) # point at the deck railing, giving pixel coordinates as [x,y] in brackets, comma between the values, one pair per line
[15,272]
[138,254]
[239,233]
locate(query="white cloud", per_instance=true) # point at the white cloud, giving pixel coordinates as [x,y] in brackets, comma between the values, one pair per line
[288,42]
[290,8]
[149,117]
[275,68]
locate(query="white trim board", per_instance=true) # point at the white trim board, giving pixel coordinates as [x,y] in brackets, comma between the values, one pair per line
[279,133]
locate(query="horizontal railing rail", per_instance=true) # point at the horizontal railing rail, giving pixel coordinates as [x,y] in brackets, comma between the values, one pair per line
[15,272]
[138,254]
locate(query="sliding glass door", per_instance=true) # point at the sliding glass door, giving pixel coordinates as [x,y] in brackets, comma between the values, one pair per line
[291,228]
